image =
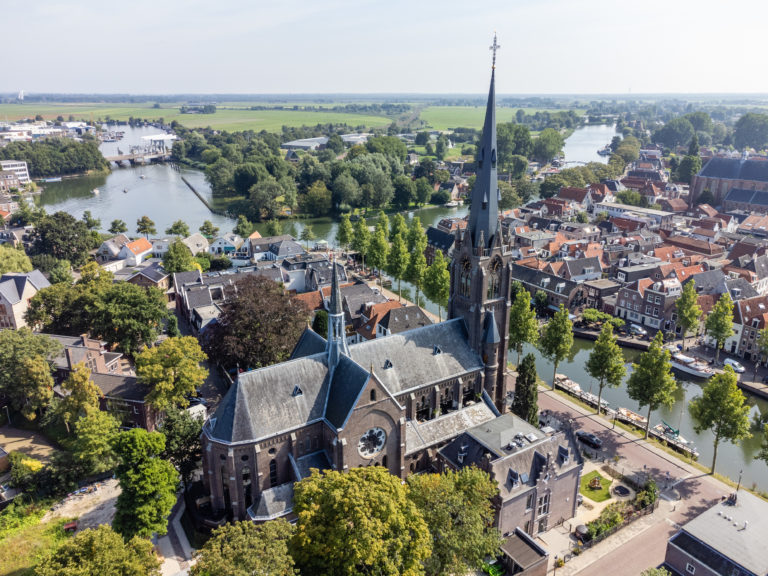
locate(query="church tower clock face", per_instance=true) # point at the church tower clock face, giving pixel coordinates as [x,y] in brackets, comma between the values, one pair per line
[371,443]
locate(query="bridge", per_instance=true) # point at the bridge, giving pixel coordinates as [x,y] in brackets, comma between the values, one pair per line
[157,147]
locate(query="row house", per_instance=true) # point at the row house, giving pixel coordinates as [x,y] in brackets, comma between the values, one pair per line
[749,317]
[755,225]
[558,290]
[16,290]
[661,219]
[580,231]
[580,249]
[650,303]
[558,208]
[579,198]
[230,245]
[197,243]
[601,293]
[274,247]
[753,269]
[577,269]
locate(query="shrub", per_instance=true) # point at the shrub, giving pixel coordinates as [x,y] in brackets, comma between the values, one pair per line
[609,518]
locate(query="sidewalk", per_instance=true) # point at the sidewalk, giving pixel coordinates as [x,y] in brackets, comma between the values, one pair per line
[174,547]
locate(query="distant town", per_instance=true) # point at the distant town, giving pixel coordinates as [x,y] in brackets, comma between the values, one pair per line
[193,400]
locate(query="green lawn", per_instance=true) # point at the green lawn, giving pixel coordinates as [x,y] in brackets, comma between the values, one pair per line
[449,117]
[595,495]
[224,118]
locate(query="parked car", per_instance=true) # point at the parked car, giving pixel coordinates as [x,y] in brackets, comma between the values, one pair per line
[493,567]
[589,439]
[636,330]
[737,367]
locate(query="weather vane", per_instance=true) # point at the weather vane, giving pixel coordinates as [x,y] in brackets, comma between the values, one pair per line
[494,47]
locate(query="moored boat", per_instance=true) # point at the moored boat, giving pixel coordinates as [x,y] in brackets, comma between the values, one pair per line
[626,415]
[95,191]
[672,437]
[691,365]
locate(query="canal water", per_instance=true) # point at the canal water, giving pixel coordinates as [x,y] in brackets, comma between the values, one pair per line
[583,144]
[730,458]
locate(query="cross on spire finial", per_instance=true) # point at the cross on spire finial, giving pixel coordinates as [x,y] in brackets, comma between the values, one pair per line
[495,46]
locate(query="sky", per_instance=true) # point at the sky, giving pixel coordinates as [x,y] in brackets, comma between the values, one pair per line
[383,46]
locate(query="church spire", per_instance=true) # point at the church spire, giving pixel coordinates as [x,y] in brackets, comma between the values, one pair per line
[337,337]
[484,211]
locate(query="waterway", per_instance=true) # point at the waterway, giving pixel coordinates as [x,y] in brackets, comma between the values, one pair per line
[731,458]
[583,144]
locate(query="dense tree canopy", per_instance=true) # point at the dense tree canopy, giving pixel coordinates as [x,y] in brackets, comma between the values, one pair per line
[56,156]
[101,551]
[358,522]
[13,260]
[259,325]
[172,370]
[244,548]
[751,131]
[64,237]
[182,441]
[676,132]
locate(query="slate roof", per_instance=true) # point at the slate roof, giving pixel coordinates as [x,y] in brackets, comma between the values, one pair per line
[12,285]
[420,435]
[404,318]
[309,343]
[578,266]
[355,297]
[736,169]
[349,379]
[318,460]
[153,272]
[120,386]
[285,248]
[412,358]
[273,503]
[441,240]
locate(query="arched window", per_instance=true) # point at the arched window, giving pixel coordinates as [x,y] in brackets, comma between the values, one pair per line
[373,395]
[384,461]
[494,279]
[273,473]
[246,475]
[465,281]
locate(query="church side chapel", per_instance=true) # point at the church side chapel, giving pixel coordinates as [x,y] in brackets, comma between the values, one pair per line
[393,401]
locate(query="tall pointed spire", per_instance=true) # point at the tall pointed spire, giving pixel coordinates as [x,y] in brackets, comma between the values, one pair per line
[337,337]
[484,211]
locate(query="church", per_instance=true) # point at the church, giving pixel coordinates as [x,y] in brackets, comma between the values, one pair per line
[392,401]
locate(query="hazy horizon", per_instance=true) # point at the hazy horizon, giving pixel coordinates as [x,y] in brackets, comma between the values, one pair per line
[340,47]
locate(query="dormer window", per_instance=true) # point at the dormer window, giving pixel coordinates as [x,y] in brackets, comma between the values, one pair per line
[297,391]
[436,350]
[387,364]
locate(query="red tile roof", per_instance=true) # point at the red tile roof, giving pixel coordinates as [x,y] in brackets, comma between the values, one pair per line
[139,246]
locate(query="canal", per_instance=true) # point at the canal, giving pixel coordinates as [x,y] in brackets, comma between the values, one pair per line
[583,144]
[731,458]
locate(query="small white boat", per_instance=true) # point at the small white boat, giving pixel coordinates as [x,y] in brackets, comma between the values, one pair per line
[691,365]
[142,176]
[95,191]
[452,204]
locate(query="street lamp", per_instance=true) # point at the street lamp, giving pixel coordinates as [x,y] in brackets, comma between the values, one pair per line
[555,572]
[739,484]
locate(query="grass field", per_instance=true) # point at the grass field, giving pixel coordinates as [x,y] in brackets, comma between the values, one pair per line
[449,117]
[595,495]
[223,119]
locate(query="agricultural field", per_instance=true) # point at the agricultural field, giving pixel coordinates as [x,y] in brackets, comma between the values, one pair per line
[450,117]
[223,119]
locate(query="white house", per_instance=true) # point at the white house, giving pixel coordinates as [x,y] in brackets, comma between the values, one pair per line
[134,252]
[16,290]
[227,245]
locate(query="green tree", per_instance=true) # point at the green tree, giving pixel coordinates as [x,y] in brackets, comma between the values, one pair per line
[274,228]
[417,262]
[397,261]
[751,131]
[344,232]
[405,192]
[244,548]
[509,198]
[182,441]
[81,395]
[423,190]
[172,370]
[64,237]
[761,344]
[259,325]
[437,282]
[719,323]
[307,235]
[317,201]
[13,260]
[361,239]
[721,409]
[523,326]
[652,383]
[209,230]
[525,402]
[688,309]
[178,228]
[101,551]
[20,347]
[358,522]
[320,323]
[90,222]
[128,315]
[34,390]
[145,226]
[540,302]
[689,167]
[92,443]
[118,227]
[61,272]
[378,251]
[382,223]
[458,510]
[606,362]
[398,226]
[548,145]
[557,339]
[147,482]
[178,258]
[676,132]
[582,217]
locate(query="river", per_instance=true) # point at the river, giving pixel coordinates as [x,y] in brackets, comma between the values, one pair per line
[583,144]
